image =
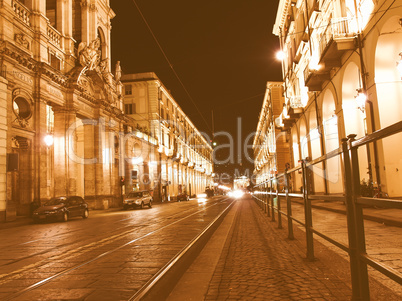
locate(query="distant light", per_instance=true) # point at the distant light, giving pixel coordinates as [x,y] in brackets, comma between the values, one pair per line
[136,161]
[201,195]
[280,55]
[152,163]
[214,144]
[49,140]
[238,194]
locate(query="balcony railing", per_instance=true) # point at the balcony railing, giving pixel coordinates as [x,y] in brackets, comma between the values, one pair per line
[22,12]
[54,36]
[338,28]
[295,102]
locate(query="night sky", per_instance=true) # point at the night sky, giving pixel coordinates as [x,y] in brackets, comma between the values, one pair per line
[223,51]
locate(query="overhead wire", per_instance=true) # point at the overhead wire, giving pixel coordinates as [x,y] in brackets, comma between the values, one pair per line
[170,64]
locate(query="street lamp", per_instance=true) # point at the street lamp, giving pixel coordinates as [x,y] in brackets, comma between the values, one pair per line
[280,55]
[361,99]
[48,140]
[399,65]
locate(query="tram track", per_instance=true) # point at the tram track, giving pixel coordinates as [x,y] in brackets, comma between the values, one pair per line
[129,228]
[95,251]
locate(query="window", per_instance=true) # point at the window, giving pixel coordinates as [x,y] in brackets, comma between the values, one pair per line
[55,62]
[22,108]
[130,108]
[128,90]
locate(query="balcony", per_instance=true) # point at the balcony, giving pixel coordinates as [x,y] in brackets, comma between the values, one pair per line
[295,102]
[313,79]
[338,37]
[54,36]
[22,12]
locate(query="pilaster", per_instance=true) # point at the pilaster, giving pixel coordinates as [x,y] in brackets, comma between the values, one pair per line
[3,147]
[64,157]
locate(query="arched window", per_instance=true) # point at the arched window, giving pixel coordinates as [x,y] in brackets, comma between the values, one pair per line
[102,39]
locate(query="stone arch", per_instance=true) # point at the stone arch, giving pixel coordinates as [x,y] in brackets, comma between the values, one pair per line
[389,94]
[354,119]
[103,43]
[333,173]
[304,150]
[297,182]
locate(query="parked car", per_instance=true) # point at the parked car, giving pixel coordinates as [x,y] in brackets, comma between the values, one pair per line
[61,208]
[183,197]
[137,199]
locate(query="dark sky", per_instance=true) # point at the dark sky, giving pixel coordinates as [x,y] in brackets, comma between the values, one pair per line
[222,50]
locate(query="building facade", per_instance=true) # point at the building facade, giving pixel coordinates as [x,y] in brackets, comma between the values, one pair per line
[63,129]
[342,70]
[184,157]
[271,142]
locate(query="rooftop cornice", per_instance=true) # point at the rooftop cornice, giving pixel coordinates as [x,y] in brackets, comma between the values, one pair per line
[281,16]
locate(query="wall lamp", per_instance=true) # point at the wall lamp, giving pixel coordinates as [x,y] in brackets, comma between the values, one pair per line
[49,140]
[399,65]
[361,99]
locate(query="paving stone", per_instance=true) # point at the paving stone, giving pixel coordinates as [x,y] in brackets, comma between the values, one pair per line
[258,263]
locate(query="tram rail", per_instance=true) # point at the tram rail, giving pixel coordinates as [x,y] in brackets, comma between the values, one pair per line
[206,218]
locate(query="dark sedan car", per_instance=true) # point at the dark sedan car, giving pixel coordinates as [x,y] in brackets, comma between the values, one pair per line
[61,208]
[183,197]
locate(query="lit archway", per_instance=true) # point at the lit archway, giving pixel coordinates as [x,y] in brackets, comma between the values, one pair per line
[353,117]
[333,172]
[315,144]
[389,93]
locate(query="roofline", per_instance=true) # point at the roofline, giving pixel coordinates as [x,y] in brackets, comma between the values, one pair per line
[281,16]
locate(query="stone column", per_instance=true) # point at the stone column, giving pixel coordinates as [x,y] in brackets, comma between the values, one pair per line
[3,147]
[64,161]
[85,19]
[45,156]
[90,156]
[39,23]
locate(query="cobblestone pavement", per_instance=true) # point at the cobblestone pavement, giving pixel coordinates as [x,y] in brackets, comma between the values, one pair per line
[383,242]
[257,263]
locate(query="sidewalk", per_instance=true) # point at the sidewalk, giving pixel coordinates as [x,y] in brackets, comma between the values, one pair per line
[249,258]
[390,217]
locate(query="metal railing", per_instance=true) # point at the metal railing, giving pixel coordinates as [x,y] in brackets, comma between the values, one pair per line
[269,199]
[337,28]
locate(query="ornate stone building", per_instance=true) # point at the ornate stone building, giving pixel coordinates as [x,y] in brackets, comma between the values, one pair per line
[184,154]
[342,72]
[63,131]
[271,144]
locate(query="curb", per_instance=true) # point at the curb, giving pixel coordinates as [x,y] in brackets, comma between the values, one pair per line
[378,219]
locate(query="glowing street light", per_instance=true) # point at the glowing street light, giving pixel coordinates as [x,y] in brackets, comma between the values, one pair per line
[280,55]
[361,99]
[137,161]
[399,65]
[49,140]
